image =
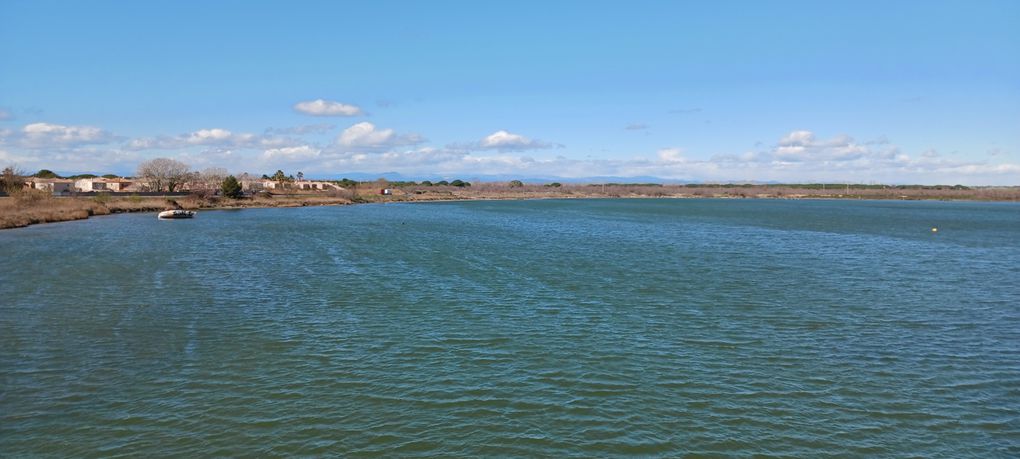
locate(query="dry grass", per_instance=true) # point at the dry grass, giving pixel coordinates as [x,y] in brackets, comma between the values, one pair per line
[32,207]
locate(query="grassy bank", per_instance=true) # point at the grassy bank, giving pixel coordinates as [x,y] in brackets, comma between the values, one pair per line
[29,208]
[36,207]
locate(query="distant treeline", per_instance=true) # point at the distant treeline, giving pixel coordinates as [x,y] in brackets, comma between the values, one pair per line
[348,183]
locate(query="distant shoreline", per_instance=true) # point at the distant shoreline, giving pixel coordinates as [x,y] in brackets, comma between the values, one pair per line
[18,212]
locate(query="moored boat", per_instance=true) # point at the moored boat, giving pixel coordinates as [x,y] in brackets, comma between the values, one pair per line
[170,214]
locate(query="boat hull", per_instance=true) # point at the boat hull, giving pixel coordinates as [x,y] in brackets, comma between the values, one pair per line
[176,214]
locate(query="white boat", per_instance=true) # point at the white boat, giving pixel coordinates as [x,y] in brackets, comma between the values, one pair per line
[168,214]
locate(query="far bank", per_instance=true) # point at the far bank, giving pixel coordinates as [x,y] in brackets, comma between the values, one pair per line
[33,208]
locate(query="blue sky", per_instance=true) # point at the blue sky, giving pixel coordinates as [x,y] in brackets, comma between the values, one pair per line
[893,92]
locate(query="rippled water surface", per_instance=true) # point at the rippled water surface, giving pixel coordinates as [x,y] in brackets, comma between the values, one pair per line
[544,328]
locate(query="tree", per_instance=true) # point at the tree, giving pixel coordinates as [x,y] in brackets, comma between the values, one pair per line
[426,183]
[46,173]
[11,180]
[459,183]
[516,184]
[555,185]
[300,175]
[442,183]
[164,174]
[230,187]
[212,177]
[110,176]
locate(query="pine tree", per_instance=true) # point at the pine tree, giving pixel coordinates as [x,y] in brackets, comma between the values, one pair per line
[231,188]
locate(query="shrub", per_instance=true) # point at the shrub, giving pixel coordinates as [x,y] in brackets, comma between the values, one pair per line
[102,198]
[230,187]
[11,180]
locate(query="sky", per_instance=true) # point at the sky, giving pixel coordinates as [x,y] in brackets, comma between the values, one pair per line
[727,91]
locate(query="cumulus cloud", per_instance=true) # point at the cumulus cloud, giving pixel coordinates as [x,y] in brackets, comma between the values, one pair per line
[212,137]
[365,136]
[291,154]
[322,107]
[797,156]
[505,141]
[803,146]
[47,135]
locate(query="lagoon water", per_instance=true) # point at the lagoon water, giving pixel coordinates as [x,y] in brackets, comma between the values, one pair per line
[529,328]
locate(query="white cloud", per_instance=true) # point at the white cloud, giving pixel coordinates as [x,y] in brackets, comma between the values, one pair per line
[321,107]
[212,137]
[803,146]
[209,136]
[506,141]
[798,156]
[671,155]
[5,115]
[290,154]
[47,135]
[365,136]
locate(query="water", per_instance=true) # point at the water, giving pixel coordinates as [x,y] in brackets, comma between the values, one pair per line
[548,328]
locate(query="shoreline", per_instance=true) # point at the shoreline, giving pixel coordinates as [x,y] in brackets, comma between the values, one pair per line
[62,209]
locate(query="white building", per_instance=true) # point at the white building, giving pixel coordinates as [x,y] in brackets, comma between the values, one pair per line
[306,185]
[103,184]
[51,185]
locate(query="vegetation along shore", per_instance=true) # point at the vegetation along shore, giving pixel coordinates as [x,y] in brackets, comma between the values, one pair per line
[45,197]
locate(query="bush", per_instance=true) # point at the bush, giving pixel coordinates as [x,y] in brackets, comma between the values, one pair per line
[102,198]
[230,187]
[516,184]
[11,180]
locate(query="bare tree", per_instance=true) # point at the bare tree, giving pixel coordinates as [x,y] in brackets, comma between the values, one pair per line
[211,178]
[164,174]
[12,179]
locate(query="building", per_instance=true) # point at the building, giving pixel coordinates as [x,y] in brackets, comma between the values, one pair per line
[104,184]
[305,185]
[315,185]
[55,186]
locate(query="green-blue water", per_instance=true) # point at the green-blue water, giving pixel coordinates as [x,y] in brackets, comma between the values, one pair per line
[542,328]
